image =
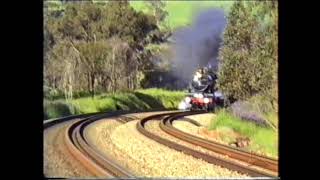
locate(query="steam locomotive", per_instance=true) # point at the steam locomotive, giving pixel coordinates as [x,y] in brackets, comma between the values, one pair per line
[202,95]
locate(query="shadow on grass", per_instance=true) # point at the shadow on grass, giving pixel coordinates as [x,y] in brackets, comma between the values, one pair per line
[129,104]
[136,101]
[104,96]
[149,100]
[57,109]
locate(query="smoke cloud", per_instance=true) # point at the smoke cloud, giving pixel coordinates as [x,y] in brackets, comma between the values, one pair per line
[198,44]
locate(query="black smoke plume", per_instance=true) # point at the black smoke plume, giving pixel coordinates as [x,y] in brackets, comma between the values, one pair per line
[198,44]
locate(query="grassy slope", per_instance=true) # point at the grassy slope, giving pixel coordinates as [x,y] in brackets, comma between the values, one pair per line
[181,13]
[263,139]
[137,100]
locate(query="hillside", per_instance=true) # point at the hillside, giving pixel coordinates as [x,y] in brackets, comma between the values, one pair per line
[181,13]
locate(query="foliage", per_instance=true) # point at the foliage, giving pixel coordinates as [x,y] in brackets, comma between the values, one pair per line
[246,111]
[55,109]
[248,57]
[95,47]
[158,10]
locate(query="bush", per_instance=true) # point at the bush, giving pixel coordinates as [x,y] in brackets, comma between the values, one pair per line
[258,109]
[246,111]
[55,109]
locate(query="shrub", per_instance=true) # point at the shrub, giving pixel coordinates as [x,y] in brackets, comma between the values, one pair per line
[247,111]
[56,109]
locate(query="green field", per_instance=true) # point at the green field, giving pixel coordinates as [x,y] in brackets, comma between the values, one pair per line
[263,140]
[181,13]
[137,100]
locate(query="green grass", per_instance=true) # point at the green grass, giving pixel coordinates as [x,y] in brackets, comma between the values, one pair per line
[181,13]
[138,100]
[263,139]
[272,118]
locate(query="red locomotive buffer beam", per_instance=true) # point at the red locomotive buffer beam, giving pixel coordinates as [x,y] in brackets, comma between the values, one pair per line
[201,101]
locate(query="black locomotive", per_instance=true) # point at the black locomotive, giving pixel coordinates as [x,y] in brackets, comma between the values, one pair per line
[202,90]
[203,81]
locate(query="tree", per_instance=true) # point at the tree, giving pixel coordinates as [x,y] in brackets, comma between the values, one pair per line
[248,57]
[93,56]
[157,7]
[96,47]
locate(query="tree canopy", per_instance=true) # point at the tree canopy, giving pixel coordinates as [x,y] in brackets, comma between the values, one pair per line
[92,46]
[248,57]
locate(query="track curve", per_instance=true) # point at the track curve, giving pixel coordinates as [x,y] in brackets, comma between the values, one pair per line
[250,158]
[211,159]
[95,163]
[80,149]
[101,166]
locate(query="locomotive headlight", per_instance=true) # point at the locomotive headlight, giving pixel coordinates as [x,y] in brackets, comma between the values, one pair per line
[206,100]
[195,95]
[188,99]
[200,95]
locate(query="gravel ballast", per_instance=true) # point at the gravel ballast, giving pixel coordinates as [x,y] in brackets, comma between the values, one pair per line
[157,160]
[99,135]
[201,131]
[123,143]
[203,119]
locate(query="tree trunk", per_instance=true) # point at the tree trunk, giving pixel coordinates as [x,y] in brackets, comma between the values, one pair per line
[112,72]
[127,85]
[92,85]
[89,89]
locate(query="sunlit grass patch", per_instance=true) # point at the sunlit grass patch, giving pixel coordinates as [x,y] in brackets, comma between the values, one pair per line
[145,99]
[263,139]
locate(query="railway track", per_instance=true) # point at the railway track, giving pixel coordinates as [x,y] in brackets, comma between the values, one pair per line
[167,118]
[97,164]
[80,149]
[74,140]
[248,157]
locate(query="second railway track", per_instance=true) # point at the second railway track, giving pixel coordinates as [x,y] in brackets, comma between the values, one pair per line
[250,158]
[166,119]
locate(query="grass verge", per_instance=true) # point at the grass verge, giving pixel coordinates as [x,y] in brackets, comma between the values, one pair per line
[263,140]
[137,100]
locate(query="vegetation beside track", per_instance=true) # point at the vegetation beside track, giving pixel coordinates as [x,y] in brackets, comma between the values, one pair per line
[136,100]
[248,76]
[264,140]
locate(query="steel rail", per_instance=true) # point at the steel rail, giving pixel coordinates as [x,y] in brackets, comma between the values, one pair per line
[208,158]
[248,157]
